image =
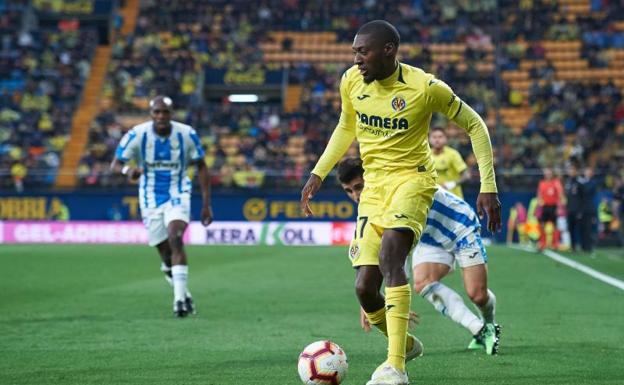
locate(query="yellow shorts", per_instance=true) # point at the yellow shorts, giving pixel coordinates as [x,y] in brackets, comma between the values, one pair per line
[399,201]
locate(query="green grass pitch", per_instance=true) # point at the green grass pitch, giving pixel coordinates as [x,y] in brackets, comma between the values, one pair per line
[87,314]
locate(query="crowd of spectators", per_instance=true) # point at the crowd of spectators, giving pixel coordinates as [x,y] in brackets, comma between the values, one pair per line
[169,47]
[42,72]
[175,42]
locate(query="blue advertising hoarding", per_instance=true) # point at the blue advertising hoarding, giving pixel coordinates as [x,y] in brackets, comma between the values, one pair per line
[239,206]
[231,206]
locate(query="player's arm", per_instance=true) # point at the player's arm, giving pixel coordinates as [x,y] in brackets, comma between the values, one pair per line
[197,154]
[462,169]
[339,143]
[562,196]
[203,175]
[126,150]
[540,194]
[443,100]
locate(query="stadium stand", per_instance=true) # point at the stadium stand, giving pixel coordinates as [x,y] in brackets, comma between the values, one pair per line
[43,71]
[539,71]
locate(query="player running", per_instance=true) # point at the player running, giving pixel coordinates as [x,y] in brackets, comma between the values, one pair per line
[387,106]
[163,149]
[452,233]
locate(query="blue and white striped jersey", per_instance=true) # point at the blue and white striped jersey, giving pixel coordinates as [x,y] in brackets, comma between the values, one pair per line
[451,222]
[164,160]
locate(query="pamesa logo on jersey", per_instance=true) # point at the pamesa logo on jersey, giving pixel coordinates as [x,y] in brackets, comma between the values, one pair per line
[398,103]
[381,121]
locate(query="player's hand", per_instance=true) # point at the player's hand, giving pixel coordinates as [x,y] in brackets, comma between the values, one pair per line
[311,187]
[364,321]
[133,173]
[488,203]
[206,215]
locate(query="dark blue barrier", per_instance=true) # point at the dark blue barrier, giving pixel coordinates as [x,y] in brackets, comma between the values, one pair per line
[254,206]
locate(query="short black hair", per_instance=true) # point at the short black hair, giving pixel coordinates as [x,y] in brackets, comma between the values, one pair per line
[349,169]
[382,30]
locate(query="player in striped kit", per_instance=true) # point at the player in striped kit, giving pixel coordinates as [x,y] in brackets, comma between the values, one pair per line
[162,150]
[451,233]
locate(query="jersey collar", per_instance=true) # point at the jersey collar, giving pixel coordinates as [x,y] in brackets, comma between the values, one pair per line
[397,76]
[162,137]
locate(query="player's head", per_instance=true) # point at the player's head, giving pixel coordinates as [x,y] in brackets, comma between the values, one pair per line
[375,46]
[161,108]
[572,170]
[437,137]
[351,177]
[548,173]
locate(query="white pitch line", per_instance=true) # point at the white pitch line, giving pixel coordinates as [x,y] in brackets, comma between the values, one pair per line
[585,269]
[575,265]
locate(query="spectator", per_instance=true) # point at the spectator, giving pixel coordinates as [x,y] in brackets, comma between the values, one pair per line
[574,205]
[588,218]
[550,196]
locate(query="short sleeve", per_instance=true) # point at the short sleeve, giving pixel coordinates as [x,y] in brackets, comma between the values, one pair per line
[127,147]
[442,99]
[195,150]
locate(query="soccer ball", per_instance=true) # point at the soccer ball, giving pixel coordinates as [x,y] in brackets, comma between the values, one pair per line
[322,363]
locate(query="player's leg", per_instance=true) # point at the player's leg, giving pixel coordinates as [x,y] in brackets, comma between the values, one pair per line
[364,255]
[407,202]
[401,207]
[368,280]
[368,283]
[573,229]
[154,221]
[395,246]
[179,266]
[473,261]
[164,250]
[177,215]
[448,302]
[475,282]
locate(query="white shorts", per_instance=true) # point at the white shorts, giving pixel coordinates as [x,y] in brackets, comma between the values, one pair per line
[156,220]
[470,254]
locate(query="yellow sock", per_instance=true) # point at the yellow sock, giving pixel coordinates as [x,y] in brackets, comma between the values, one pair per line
[378,320]
[397,317]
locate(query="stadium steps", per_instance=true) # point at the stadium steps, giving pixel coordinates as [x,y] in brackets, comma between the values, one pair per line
[292,98]
[516,117]
[90,103]
[130,14]
[82,119]
[569,65]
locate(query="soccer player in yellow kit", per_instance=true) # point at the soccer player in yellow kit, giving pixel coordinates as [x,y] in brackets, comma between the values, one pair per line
[387,107]
[451,168]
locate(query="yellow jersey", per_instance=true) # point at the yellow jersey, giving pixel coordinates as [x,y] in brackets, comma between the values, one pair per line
[390,120]
[449,165]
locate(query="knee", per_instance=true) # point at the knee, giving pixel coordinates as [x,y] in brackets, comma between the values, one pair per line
[478,296]
[365,291]
[175,238]
[420,283]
